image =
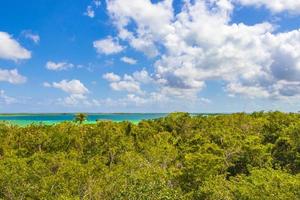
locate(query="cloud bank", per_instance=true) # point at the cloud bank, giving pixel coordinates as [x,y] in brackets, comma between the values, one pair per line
[200,44]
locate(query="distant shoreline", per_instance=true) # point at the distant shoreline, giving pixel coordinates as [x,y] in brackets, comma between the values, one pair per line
[88,113]
[53,118]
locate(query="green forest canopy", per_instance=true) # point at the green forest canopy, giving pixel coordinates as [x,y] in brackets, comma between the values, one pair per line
[236,156]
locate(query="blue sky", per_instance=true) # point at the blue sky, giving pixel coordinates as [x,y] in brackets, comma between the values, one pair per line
[149,56]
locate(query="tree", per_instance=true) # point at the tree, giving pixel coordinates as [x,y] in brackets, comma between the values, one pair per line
[80,118]
[230,157]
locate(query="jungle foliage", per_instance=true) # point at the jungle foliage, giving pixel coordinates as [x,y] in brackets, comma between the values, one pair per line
[237,156]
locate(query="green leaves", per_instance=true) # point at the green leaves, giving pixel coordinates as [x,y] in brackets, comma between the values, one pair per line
[266,184]
[236,156]
[80,118]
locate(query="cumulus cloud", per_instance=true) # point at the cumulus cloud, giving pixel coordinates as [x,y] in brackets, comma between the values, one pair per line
[59,66]
[71,87]
[111,77]
[12,76]
[10,49]
[200,43]
[151,100]
[275,6]
[127,82]
[150,18]
[74,99]
[76,90]
[128,60]
[33,37]
[130,86]
[107,46]
[142,76]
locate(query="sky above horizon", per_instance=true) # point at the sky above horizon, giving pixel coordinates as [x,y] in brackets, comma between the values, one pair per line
[149,55]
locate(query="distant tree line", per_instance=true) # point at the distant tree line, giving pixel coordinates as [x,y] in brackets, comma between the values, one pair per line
[223,157]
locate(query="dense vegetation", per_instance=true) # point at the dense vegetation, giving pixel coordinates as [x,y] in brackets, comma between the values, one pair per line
[238,156]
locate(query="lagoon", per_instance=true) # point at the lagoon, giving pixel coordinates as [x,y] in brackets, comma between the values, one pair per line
[53,118]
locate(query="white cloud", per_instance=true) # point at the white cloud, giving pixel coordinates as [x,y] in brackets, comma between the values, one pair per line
[29,35]
[12,76]
[128,83]
[107,46]
[275,6]
[200,43]
[152,20]
[128,100]
[76,90]
[205,100]
[142,76]
[251,91]
[46,84]
[6,99]
[50,65]
[151,100]
[90,9]
[128,60]
[74,99]
[137,100]
[130,86]
[73,87]
[90,12]
[111,77]
[10,49]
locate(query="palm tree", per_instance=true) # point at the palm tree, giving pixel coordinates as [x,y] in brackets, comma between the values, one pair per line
[80,117]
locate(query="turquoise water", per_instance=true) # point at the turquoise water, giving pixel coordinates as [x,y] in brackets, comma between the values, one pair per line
[25,119]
